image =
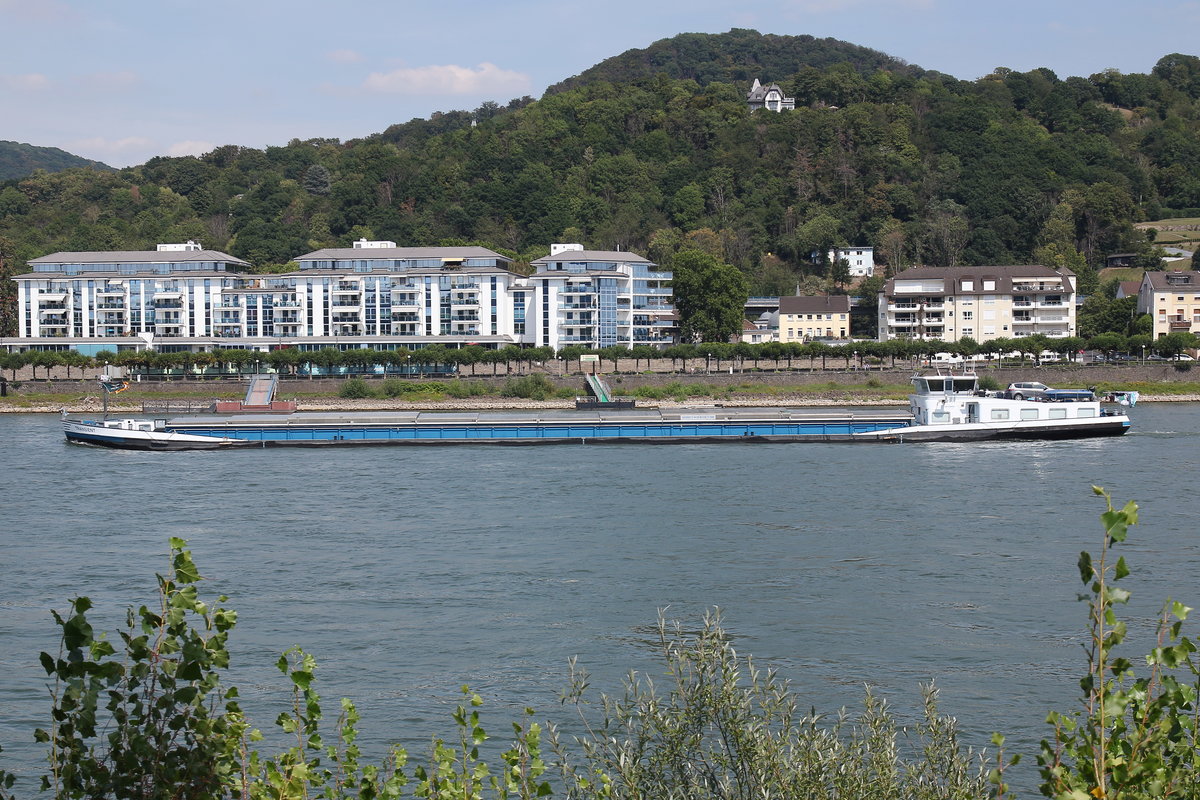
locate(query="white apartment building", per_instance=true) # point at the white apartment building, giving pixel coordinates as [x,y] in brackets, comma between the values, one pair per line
[374,294]
[600,298]
[949,303]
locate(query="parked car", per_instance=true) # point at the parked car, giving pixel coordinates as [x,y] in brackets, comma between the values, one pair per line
[1027,390]
[1031,390]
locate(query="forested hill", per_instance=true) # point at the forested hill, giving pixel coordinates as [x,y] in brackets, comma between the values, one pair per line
[736,57]
[1010,168]
[18,160]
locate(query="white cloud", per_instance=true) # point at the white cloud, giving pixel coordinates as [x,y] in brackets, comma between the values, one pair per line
[448,79]
[190,148]
[30,82]
[344,56]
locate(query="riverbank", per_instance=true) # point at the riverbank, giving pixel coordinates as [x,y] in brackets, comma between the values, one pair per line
[92,405]
[763,388]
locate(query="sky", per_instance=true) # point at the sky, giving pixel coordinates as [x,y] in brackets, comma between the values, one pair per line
[122,81]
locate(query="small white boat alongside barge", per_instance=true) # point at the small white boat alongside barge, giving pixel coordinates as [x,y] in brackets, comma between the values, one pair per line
[952,408]
[138,434]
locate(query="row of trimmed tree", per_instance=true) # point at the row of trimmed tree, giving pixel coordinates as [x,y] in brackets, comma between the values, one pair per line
[438,359]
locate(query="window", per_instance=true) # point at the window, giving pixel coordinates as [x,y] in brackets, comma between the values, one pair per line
[1058,413]
[968,286]
[1086,412]
[1029,413]
[968,314]
[999,413]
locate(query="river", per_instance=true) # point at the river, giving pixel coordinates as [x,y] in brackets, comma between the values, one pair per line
[408,572]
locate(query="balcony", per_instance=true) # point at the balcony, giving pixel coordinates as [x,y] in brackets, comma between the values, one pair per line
[52,295]
[167,303]
[110,307]
[465,287]
[168,294]
[406,300]
[905,306]
[1177,322]
[578,305]
[405,316]
[1035,286]
[347,288]
[464,318]
[110,291]
[287,304]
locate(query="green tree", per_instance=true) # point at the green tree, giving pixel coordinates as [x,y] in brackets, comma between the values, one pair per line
[710,297]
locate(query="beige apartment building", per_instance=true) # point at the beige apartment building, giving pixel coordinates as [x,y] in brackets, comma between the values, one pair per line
[949,303]
[1173,301]
[803,319]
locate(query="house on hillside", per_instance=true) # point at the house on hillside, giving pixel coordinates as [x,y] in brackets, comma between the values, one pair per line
[769,97]
[860,259]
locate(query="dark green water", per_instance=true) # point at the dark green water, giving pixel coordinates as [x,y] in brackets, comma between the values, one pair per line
[409,572]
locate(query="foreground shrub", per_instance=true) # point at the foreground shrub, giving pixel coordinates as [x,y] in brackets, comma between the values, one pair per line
[355,389]
[721,727]
[1135,736]
[461,390]
[529,387]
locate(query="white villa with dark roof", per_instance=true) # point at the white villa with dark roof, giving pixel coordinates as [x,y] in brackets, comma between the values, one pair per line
[769,97]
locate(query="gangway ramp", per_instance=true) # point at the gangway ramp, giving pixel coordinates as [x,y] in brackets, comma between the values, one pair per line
[261,390]
[599,389]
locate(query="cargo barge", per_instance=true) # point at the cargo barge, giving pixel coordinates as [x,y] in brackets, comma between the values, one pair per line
[942,408]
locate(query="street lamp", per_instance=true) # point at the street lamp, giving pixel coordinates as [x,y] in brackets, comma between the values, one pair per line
[707,362]
[1143,354]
